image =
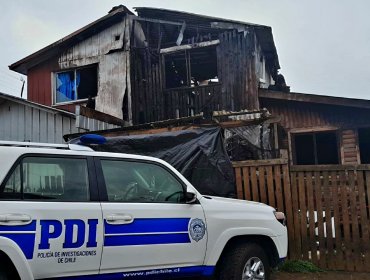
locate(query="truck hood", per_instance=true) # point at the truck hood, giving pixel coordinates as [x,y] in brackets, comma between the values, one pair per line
[236,202]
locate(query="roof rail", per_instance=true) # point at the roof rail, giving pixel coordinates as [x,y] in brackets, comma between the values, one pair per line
[74,147]
[33,144]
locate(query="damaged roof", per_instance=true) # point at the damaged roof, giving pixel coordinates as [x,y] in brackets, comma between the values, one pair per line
[194,23]
[114,16]
[314,98]
[209,23]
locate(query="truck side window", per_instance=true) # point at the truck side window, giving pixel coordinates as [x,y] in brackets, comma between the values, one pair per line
[128,181]
[47,178]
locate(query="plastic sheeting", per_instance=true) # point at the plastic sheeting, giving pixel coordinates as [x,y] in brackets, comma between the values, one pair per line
[199,154]
[249,142]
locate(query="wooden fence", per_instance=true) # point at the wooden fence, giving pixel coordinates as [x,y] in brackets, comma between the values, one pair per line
[327,209]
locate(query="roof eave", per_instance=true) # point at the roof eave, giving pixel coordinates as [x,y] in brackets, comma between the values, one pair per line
[53,49]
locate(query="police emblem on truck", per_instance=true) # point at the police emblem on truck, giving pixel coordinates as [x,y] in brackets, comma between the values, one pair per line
[197,229]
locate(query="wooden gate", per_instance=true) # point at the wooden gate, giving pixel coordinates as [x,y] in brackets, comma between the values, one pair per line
[327,208]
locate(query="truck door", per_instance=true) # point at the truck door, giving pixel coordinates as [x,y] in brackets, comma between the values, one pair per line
[148,228]
[50,210]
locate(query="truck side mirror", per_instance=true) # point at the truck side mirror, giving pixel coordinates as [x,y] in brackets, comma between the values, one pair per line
[190,197]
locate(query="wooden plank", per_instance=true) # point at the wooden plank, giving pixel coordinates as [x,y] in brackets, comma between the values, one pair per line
[354,222]
[365,222]
[288,208]
[270,187]
[311,219]
[262,184]
[320,221]
[367,197]
[254,183]
[261,162]
[303,213]
[346,222]
[279,190]
[190,46]
[297,231]
[239,183]
[328,220]
[339,257]
[247,187]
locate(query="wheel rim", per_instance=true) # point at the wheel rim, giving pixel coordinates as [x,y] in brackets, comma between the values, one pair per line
[254,270]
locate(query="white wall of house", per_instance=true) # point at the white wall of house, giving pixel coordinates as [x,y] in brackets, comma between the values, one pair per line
[109,49]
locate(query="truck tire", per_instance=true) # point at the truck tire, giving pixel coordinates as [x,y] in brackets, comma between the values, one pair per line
[246,261]
[3,274]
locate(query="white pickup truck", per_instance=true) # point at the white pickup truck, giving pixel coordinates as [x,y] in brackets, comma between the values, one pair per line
[68,212]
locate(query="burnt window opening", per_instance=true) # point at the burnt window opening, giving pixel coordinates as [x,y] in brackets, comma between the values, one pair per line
[77,84]
[191,68]
[364,144]
[117,37]
[316,148]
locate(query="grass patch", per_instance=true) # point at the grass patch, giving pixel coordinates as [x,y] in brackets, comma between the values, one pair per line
[297,266]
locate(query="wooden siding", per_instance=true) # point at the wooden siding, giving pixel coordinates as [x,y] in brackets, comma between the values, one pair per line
[147,81]
[21,122]
[305,115]
[39,82]
[236,71]
[109,50]
[297,117]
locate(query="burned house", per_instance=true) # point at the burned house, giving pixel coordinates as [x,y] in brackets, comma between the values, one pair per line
[159,64]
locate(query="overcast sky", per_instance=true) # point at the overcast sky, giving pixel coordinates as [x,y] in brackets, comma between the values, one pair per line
[323,45]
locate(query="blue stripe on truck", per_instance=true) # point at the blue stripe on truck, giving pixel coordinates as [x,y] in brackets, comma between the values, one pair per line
[147,239]
[147,225]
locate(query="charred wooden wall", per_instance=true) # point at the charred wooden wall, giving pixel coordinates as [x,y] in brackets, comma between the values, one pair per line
[146,86]
[236,70]
[299,117]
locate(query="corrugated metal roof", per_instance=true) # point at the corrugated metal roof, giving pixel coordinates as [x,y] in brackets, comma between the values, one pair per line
[22,101]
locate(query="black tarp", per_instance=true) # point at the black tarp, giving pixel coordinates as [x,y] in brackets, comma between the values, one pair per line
[199,155]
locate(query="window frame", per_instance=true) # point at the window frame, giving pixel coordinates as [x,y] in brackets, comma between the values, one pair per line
[54,84]
[103,189]
[188,59]
[92,183]
[313,133]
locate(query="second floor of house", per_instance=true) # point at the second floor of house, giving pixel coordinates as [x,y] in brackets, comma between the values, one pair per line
[154,65]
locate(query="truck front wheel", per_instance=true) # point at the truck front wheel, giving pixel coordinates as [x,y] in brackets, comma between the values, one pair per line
[3,274]
[247,261]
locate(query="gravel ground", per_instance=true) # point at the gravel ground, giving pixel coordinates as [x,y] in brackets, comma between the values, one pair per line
[331,275]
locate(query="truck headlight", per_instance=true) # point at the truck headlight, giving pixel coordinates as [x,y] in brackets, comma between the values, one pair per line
[280,216]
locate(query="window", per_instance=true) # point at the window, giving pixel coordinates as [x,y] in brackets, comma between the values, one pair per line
[364,144]
[196,67]
[316,148]
[76,84]
[140,182]
[48,179]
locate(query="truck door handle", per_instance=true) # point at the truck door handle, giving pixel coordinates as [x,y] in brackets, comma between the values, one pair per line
[119,219]
[15,219]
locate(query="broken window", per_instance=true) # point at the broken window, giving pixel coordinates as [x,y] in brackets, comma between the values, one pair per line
[315,148]
[364,144]
[194,67]
[76,84]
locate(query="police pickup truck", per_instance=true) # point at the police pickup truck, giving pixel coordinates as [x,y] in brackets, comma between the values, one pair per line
[68,212]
